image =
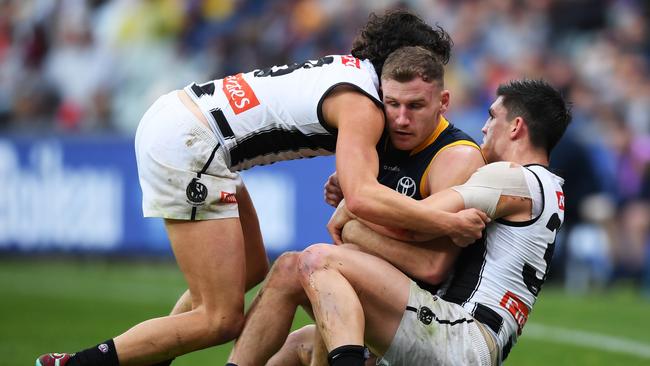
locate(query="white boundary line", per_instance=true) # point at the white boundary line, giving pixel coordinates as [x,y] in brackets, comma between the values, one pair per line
[587,339]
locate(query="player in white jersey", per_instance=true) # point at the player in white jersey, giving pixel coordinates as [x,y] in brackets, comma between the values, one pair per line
[190,145]
[359,299]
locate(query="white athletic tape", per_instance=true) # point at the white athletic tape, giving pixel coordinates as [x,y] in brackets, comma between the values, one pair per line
[587,339]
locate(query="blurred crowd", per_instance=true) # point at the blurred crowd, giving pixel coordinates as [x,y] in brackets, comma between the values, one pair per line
[94,66]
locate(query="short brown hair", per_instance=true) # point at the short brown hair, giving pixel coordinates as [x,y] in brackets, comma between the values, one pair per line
[407,63]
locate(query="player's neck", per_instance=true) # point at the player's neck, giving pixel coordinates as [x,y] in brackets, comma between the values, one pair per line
[525,155]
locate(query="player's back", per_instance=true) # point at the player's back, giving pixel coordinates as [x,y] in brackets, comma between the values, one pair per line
[274,114]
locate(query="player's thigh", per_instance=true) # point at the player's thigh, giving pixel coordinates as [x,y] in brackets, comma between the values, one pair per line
[210,253]
[382,289]
[257,263]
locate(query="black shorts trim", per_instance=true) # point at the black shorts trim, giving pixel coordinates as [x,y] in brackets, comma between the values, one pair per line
[422,309]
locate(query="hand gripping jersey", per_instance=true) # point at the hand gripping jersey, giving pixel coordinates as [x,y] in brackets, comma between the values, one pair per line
[274,114]
[498,278]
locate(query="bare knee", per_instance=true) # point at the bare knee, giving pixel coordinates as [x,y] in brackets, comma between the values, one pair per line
[285,268]
[284,275]
[315,257]
[286,263]
[220,326]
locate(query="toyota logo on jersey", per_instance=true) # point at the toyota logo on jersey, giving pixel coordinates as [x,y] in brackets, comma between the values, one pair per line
[406,186]
[196,192]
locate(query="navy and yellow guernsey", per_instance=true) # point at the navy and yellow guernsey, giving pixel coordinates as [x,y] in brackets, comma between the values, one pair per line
[406,171]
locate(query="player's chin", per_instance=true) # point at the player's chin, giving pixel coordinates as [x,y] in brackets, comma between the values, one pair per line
[403,141]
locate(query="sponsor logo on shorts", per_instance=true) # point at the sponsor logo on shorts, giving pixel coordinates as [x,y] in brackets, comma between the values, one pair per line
[560,200]
[425,315]
[196,192]
[349,60]
[406,186]
[240,95]
[227,197]
[103,348]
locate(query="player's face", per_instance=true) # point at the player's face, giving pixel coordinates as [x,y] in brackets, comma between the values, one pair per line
[496,130]
[413,109]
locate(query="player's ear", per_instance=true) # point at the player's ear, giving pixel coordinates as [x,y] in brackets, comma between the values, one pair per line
[518,128]
[445,97]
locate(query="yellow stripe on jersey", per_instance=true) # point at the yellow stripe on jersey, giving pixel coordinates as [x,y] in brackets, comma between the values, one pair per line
[442,125]
[424,188]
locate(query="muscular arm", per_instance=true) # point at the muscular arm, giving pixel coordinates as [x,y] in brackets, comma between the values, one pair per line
[501,186]
[451,167]
[429,262]
[360,123]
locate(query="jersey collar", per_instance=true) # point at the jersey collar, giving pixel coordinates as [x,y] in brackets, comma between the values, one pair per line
[442,125]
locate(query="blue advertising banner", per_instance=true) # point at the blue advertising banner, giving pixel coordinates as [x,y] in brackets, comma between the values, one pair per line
[81,194]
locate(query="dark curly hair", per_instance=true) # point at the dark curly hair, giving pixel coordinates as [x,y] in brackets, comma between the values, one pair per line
[399,28]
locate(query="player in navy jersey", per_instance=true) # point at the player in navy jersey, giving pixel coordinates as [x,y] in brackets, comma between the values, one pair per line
[191,143]
[477,316]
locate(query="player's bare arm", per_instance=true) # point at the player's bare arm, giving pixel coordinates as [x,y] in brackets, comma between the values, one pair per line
[443,172]
[498,189]
[451,167]
[426,261]
[358,131]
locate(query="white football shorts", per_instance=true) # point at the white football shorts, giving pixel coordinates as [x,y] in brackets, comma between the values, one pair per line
[436,332]
[181,165]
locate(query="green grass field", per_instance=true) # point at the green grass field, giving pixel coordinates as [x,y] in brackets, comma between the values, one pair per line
[67,305]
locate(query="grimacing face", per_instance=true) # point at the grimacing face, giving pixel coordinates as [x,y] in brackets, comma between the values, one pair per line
[496,131]
[413,109]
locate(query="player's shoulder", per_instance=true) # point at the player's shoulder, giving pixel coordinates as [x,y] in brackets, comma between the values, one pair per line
[500,173]
[455,133]
[500,166]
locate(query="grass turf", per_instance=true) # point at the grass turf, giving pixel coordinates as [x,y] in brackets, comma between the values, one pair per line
[67,305]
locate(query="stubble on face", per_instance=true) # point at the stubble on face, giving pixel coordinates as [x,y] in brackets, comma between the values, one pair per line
[412,110]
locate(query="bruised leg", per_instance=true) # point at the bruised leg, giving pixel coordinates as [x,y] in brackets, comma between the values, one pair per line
[353,294]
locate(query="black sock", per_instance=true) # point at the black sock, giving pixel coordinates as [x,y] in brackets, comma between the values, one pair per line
[349,355]
[103,354]
[231,364]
